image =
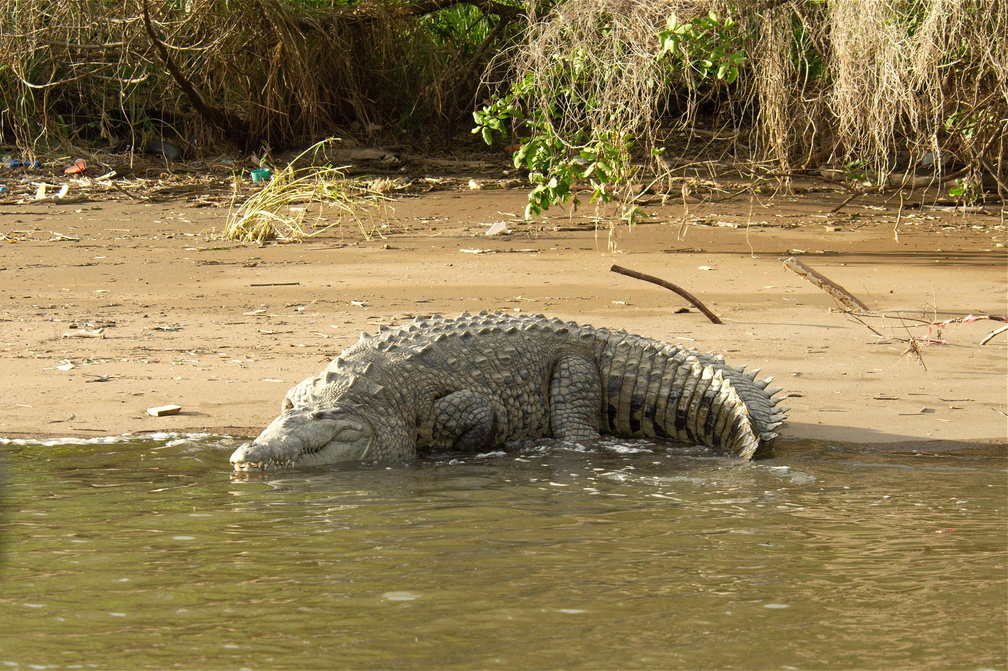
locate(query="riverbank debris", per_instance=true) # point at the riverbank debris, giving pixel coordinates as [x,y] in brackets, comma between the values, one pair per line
[164,410]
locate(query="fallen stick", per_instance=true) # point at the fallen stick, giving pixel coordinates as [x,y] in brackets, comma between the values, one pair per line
[841,295]
[990,336]
[694,301]
[968,319]
[846,200]
[119,188]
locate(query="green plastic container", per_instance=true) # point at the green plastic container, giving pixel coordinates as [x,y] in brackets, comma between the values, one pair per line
[261,175]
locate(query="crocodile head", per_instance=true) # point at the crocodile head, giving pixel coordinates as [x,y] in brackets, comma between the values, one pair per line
[301,438]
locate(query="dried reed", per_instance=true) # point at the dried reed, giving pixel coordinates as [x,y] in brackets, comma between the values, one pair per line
[279,210]
[83,71]
[876,84]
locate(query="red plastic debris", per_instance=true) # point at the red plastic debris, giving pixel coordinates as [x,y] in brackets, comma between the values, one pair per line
[77,168]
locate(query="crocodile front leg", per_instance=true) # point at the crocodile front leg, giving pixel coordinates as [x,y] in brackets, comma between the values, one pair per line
[575,399]
[464,420]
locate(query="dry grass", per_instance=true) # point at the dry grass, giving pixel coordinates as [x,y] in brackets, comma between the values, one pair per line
[280,209]
[871,84]
[617,67]
[776,72]
[83,71]
[876,83]
[594,72]
[914,83]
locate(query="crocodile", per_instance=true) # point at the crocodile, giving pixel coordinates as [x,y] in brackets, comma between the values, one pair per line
[475,382]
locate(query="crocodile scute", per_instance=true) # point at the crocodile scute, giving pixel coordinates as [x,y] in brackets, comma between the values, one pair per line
[475,382]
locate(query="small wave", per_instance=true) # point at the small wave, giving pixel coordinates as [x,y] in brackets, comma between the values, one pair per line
[170,439]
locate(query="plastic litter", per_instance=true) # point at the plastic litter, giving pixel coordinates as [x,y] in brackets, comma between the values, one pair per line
[78,167]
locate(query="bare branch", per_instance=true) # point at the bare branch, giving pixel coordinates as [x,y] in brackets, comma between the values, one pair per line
[694,301]
[232,128]
[841,295]
[992,334]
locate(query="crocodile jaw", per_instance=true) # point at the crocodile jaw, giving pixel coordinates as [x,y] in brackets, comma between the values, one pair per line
[304,439]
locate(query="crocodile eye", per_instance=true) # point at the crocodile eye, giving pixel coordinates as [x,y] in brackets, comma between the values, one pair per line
[324,414]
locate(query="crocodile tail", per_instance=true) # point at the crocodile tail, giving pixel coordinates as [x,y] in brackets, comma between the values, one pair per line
[656,389]
[763,403]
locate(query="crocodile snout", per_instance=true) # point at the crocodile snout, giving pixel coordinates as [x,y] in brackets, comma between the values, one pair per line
[245,458]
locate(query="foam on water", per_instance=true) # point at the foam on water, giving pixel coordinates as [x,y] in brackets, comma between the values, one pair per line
[168,438]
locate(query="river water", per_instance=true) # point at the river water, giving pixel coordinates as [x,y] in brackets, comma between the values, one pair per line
[148,552]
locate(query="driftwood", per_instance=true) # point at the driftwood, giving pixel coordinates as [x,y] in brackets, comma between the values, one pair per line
[841,295]
[694,301]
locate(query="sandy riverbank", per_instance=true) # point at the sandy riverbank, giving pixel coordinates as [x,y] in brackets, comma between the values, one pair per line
[224,329]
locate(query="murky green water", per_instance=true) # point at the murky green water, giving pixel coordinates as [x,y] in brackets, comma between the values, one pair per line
[149,554]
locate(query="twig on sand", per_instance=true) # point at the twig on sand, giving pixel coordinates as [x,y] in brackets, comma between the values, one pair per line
[841,295]
[939,326]
[990,336]
[134,197]
[913,351]
[846,201]
[694,301]
[913,344]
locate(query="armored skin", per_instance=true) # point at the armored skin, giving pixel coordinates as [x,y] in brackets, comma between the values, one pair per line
[474,382]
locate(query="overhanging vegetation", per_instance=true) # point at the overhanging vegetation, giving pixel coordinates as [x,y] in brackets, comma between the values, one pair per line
[599,94]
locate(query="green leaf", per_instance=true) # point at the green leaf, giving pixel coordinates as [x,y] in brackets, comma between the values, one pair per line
[519,155]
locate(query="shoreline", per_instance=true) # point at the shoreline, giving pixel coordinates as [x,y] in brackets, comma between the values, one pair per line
[225,329]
